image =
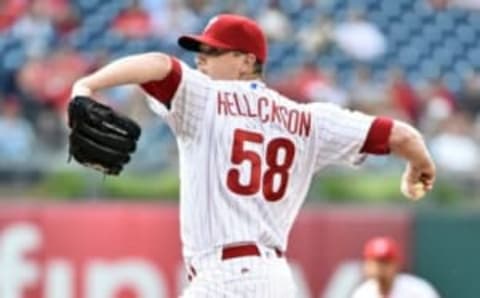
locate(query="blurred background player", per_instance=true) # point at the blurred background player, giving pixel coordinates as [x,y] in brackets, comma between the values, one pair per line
[381,267]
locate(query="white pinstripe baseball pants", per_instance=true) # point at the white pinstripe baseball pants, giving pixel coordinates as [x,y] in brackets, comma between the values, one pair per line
[265,276]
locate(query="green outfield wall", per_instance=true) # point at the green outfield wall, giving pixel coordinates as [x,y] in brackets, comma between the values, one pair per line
[447,251]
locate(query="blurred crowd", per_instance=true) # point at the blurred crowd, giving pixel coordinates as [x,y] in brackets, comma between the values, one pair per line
[45,45]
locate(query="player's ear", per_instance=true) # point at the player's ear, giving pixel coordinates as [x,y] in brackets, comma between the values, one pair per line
[249,62]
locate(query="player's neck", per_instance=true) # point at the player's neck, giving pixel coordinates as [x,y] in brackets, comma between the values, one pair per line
[250,77]
[385,286]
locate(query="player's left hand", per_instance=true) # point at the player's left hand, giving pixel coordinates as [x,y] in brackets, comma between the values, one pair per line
[417,180]
[100,138]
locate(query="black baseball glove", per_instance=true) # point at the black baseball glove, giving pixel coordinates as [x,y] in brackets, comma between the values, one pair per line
[100,138]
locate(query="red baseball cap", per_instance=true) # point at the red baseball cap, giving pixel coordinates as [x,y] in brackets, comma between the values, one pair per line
[381,248]
[230,32]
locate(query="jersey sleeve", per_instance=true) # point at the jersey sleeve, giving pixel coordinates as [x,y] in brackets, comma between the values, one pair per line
[340,135]
[434,293]
[378,138]
[426,289]
[180,98]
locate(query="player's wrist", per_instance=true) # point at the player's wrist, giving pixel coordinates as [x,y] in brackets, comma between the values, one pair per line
[421,161]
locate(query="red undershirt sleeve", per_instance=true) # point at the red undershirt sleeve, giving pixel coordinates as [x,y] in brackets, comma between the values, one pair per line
[164,90]
[377,141]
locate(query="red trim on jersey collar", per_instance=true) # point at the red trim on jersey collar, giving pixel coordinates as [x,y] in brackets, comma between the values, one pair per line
[164,90]
[378,138]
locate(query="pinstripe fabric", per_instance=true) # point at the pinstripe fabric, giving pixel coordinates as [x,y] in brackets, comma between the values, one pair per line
[205,115]
[340,135]
[252,277]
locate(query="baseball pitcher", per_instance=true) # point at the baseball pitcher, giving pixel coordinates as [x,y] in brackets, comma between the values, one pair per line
[247,153]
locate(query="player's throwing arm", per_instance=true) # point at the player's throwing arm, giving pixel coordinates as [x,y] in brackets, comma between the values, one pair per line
[419,175]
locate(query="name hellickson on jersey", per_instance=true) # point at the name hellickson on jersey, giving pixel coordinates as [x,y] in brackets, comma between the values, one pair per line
[234,104]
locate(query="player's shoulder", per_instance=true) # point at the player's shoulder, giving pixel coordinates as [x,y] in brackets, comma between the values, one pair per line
[278,97]
[329,108]
[256,89]
[318,110]
[323,107]
[415,282]
[411,279]
[188,71]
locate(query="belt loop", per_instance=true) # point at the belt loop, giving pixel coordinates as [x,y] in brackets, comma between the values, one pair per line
[192,273]
[279,253]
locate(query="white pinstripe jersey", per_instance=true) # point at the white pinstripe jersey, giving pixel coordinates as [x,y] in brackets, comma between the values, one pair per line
[247,156]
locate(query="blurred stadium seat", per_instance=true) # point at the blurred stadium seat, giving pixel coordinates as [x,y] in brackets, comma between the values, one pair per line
[412,29]
[425,43]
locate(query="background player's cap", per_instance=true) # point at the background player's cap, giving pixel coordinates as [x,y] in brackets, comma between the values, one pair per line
[381,248]
[230,32]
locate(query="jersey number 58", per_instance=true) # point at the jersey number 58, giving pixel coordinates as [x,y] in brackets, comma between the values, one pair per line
[261,178]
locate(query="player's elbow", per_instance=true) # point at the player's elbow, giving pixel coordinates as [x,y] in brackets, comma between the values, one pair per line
[81,88]
[153,66]
[403,135]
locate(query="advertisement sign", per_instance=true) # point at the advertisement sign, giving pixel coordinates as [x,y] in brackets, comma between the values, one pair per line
[133,250]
